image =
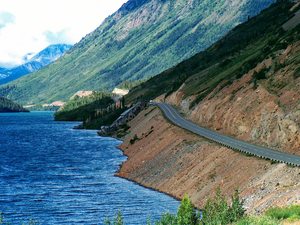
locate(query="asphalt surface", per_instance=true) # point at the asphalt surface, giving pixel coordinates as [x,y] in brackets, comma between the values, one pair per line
[235,144]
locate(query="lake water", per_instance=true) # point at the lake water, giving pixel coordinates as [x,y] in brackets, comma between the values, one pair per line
[56,175]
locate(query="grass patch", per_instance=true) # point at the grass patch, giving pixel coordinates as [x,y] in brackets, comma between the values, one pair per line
[291,213]
[264,220]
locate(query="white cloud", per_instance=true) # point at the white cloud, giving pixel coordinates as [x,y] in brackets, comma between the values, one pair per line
[6,18]
[31,25]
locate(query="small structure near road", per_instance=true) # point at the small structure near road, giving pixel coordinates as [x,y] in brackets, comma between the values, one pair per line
[124,118]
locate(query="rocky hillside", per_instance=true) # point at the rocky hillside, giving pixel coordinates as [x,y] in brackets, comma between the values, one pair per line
[9,106]
[140,40]
[38,61]
[245,86]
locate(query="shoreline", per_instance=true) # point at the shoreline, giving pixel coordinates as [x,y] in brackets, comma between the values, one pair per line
[172,161]
[117,174]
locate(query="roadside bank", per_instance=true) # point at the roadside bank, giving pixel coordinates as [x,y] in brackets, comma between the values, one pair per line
[171,160]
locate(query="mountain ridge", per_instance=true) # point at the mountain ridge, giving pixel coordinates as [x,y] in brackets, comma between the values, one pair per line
[128,46]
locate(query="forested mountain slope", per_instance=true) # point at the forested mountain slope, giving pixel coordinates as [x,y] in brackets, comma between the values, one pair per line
[142,39]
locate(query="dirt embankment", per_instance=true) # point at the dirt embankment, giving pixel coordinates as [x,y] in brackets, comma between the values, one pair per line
[268,114]
[174,161]
[262,109]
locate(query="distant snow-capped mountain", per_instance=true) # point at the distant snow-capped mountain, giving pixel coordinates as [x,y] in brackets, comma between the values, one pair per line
[50,54]
[34,63]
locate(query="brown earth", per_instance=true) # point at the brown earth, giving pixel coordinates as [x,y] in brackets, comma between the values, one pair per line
[268,115]
[172,160]
[265,111]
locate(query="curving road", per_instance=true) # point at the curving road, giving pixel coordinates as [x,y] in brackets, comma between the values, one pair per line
[261,152]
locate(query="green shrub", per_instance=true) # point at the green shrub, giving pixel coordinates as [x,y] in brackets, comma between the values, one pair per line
[261,74]
[186,214]
[218,211]
[118,220]
[167,219]
[134,139]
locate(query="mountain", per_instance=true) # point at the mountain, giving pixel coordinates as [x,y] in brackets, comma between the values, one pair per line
[246,85]
[201,73]
[7,105]
[38,61]
[140,40]
[50,54]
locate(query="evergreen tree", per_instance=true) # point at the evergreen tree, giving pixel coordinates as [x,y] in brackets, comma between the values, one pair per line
[118,219]
[237,209]
[186,214]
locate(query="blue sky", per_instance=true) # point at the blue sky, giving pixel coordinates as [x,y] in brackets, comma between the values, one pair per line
[28,26]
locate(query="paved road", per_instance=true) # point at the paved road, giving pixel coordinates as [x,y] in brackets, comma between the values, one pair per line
[261,152]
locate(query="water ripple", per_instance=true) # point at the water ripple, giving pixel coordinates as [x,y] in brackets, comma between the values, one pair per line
[56,175]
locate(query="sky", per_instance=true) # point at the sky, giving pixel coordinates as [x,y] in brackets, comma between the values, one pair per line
[28,26]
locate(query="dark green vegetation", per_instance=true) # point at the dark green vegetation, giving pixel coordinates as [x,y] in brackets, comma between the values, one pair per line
[139,41]
[128,85]
[7,105]
[228,59]
[217,211]
[95,111]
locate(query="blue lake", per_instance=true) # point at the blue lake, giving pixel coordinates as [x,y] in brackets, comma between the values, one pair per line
[56,175]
